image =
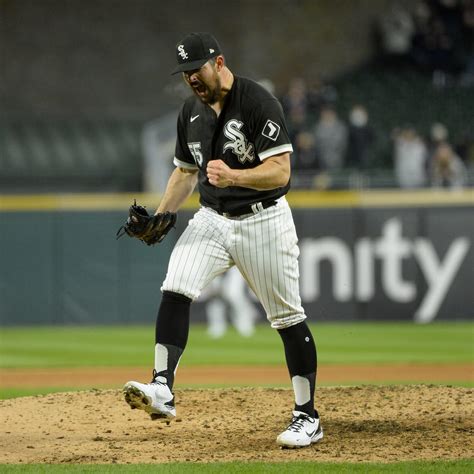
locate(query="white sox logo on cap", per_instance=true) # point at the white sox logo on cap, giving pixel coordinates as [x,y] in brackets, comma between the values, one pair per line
[194,50]
[182,52]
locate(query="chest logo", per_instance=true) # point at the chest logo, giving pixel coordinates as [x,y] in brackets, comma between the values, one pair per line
[238,142]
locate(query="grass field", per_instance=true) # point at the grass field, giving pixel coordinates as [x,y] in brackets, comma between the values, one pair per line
[132,346]
[454,467]
[347,343]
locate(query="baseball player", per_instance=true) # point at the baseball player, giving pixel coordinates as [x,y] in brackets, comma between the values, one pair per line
[232,142]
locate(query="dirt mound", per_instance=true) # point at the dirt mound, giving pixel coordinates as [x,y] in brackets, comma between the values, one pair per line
[365,423]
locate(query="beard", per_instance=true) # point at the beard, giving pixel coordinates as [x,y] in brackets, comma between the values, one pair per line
[209,93]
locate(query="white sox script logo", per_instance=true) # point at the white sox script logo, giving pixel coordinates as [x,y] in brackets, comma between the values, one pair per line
[238,142]
[182,52]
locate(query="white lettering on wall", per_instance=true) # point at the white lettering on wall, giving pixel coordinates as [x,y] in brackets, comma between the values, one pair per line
[337,253]
[439,274]
[353,275]
[364,270]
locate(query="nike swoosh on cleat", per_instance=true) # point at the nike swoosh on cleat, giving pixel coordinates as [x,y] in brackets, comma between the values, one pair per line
[311,434]
[192,119]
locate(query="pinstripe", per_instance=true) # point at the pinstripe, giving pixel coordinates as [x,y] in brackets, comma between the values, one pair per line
[263,247]
[199,256]
[291,251]
[275,277]
[264,251]
[240,257]
[256,259]
[247,250]
[257,265]
[266,263]
[263,266]
[282,257]
[280,267]
[175,259]
[209,244]
[201,253]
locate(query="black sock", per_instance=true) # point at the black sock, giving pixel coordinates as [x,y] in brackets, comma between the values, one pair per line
[301,359]
[172,329]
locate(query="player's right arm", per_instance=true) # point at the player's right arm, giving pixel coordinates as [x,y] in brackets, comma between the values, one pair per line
[180,186]
[184,178]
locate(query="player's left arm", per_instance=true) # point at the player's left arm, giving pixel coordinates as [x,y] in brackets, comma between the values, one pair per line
[273,173]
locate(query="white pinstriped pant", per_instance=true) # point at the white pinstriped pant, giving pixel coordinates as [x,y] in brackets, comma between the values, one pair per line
[264,248]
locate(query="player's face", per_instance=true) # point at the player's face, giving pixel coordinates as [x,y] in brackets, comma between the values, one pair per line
[205,83]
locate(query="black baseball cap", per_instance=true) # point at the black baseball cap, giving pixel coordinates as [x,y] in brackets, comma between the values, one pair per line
[194,50]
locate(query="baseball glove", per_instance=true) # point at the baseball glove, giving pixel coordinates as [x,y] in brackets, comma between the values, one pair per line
[148,229]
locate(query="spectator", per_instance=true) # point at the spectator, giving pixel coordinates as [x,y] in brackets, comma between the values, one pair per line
[304,158]
[467,76]
[302,104]
[439,42]
[438,134]
[296,104]
[396,28]
[321,92]
[361,138]
[330,136]
[465,148]
[409,155]
[447,169]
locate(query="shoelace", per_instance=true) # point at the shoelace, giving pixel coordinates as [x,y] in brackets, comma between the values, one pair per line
[296,424]
[155,373]
[157,382]
[154,381]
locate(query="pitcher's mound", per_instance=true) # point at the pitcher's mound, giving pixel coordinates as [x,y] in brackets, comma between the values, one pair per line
[367,423]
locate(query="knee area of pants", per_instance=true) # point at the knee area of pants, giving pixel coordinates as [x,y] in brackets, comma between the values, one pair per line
[287,321]
[175,297]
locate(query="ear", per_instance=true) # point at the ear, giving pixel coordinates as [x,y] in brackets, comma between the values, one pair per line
[220,62]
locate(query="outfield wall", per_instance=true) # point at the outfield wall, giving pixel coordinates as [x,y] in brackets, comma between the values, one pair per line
[364,256]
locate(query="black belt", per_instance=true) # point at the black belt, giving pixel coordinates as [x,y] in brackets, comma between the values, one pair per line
[248,209]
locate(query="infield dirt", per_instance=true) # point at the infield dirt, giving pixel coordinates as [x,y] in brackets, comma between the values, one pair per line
[367,423]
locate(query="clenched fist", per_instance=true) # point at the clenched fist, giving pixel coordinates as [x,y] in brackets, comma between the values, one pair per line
[220,175]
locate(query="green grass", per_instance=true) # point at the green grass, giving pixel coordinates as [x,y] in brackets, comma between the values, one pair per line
[345,343]
[458,467]
[33,391]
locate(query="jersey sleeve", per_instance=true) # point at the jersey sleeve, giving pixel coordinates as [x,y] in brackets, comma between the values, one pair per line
[270,135]
[183,157]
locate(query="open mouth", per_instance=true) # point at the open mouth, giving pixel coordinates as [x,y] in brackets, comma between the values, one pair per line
[200,89]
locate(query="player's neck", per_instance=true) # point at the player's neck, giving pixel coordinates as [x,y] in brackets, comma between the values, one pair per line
[227,79]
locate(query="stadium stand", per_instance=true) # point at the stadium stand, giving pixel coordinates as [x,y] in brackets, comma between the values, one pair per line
[75,119]
[70,156]
[395,98]
[405,96]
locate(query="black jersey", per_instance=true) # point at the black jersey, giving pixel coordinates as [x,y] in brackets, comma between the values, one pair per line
[250,128]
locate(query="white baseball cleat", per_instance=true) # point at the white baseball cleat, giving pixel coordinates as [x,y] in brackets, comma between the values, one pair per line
[155,398]
[302,431]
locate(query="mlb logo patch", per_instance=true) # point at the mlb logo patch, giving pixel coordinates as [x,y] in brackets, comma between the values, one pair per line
[271,130]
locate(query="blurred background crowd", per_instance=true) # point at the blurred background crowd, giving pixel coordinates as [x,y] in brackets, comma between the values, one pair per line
[377,94]
[426,45]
